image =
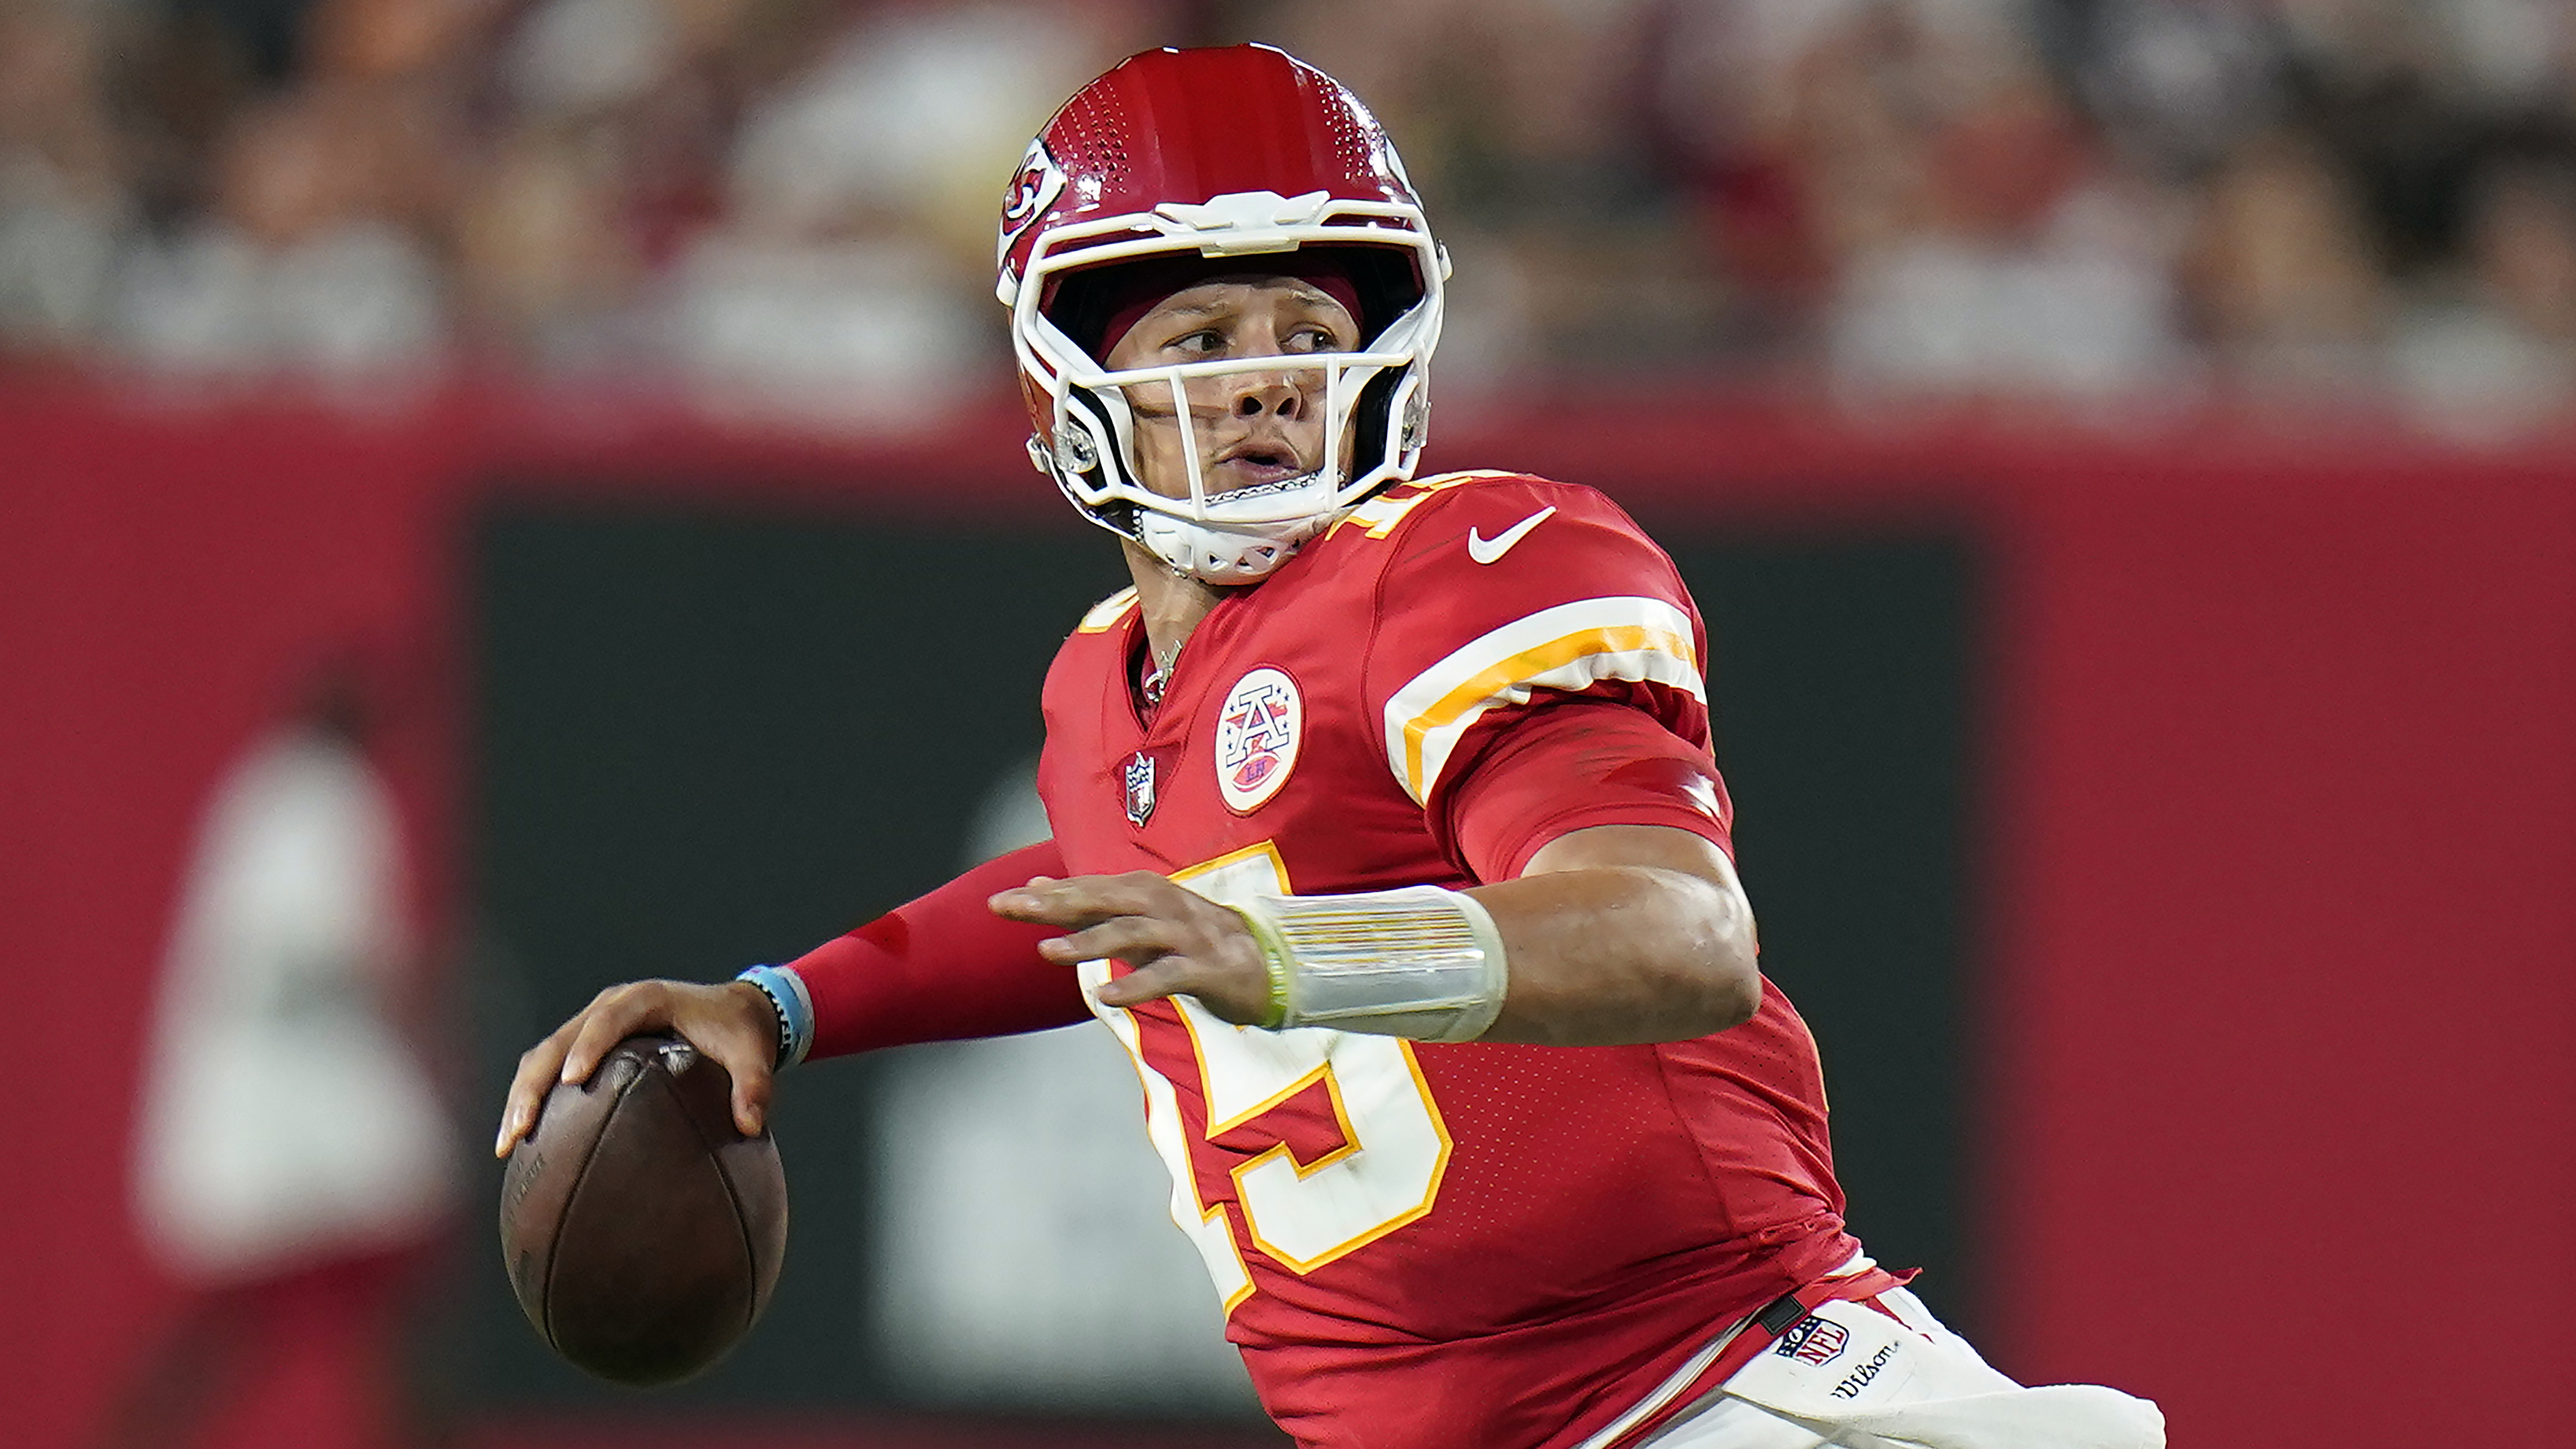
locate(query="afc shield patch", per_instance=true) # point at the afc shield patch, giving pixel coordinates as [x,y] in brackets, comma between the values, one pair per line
[1256,738]
[1813,1341]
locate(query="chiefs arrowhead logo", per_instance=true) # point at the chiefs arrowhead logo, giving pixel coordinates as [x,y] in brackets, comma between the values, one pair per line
[1256,738]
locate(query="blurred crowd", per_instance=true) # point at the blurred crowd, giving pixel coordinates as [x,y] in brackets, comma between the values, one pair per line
[787,205]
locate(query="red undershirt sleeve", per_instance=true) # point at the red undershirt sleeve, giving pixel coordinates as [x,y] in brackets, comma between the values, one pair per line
[1567,764]
[942,968]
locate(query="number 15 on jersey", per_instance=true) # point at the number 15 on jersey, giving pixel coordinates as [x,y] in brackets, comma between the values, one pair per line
[1301,1212]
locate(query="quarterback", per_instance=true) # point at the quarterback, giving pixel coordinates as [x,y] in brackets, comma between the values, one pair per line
[1388,841]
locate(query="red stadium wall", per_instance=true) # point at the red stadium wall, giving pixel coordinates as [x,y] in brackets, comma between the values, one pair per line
[2278,1038]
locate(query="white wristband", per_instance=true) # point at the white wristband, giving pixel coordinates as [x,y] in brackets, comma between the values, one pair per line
[1420,962]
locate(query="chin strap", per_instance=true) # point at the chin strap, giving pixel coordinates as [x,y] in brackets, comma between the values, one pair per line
[1215,554]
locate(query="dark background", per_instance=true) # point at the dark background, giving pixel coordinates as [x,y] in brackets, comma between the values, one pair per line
[706,737]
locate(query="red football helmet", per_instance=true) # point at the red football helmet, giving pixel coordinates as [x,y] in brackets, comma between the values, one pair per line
[1238,152]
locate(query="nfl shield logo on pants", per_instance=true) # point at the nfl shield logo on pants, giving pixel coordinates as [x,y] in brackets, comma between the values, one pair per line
[1813,1341]
[1140,788]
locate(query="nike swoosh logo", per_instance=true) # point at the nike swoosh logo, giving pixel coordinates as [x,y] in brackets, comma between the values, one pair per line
[1491,550]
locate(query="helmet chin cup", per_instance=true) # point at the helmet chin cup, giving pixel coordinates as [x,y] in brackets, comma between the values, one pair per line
[1223,554]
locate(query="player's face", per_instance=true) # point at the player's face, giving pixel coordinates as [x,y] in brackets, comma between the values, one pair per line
[1253,427]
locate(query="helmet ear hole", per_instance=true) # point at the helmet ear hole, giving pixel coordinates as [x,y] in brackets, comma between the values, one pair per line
[1086,442]
[1075,452]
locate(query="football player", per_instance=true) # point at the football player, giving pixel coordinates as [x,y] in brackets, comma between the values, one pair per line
[1389,844]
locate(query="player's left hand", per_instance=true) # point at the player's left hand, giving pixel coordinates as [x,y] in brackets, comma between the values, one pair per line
[1178,941]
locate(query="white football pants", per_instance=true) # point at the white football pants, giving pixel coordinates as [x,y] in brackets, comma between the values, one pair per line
[1869,1381]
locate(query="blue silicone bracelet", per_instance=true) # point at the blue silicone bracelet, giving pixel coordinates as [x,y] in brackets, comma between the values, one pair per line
[786,992]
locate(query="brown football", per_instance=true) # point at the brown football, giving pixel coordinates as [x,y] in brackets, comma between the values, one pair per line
[641,1231]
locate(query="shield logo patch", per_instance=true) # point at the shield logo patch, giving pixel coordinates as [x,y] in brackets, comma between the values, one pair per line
[1140,788]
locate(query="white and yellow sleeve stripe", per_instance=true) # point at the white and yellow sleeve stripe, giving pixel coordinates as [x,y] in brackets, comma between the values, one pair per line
[1570,647]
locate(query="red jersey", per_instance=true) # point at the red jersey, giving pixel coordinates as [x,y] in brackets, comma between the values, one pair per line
[1422,1246]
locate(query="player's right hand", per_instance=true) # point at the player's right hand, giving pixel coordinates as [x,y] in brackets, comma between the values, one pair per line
[732,1022]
